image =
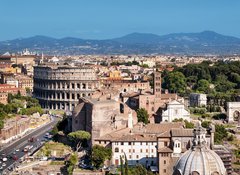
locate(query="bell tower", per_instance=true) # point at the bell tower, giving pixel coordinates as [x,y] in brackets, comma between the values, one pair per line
[157,84]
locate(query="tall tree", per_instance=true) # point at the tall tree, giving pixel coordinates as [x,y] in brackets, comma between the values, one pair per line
[126,164]
[121,164]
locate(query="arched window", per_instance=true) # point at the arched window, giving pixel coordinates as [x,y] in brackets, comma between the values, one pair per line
[195,173]
[116,150]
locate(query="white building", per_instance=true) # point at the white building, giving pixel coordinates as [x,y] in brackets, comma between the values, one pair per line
[139,143]
[198,100]
[139,149]
[175,110]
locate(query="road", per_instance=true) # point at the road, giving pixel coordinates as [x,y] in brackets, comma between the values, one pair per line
[39,134]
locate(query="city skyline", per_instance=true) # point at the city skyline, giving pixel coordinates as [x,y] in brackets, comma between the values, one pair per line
[110,19]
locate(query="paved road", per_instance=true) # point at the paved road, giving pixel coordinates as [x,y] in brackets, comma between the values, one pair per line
[39,134]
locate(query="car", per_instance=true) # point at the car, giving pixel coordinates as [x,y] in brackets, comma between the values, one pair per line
[4,164]
[17,150]
[1,168]
[4,159]
[15,157]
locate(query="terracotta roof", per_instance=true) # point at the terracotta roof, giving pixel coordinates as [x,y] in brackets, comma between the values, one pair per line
[164,134]
[165,150]
[136,138]
[162,127]
[182,132]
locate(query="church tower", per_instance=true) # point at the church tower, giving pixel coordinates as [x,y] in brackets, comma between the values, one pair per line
[157,84]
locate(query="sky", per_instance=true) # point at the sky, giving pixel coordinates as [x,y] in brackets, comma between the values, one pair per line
[105,19]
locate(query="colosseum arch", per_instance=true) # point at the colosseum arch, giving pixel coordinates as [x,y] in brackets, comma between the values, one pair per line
[233,112]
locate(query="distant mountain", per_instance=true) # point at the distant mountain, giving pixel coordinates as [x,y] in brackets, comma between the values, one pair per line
[207,42]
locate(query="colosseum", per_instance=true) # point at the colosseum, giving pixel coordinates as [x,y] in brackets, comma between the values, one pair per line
[60,86]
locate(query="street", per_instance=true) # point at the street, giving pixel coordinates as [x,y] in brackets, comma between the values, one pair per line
[16,148]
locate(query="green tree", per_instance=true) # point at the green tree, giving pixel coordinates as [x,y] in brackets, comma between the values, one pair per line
[220,134]
[78,137]
[188,124]
[121,165]
[126,164]
[202,86]
[140,170]
[71,163]
[206,124]
[142,115]
[54,130]
[1,124]
[175,82]
[99,155]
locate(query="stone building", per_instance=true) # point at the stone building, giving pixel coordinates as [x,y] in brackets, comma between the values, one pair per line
[197,100]
[102,114]
[61,86]
[14,127]
[11,89]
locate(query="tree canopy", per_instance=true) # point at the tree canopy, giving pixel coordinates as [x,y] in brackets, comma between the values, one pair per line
[142,115]
[78,137]
[99,155]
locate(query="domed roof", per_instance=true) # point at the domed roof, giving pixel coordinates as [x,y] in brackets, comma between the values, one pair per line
[199,160]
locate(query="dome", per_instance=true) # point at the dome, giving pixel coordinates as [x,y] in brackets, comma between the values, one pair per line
[199,160]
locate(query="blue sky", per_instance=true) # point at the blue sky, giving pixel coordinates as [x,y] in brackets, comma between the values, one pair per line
[103,19]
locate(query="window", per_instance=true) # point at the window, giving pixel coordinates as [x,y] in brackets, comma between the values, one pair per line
[129,150]
[146,143]
[130,156]
[129,143]
[165,144]
[121,143]
[146,150]
[164,162]
[137,156]
[164,170]
[152,150]
[116,150]
[122,150]
[133,150]
[137,161]
[140,150]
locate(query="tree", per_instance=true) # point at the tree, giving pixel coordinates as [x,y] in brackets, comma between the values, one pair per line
[99,155]
[206,124]
[78,137]
[121,165]
[202,86]
[140,170]
[71,163]
[126,164]
[54,130]
[220,134]
[1,124]
[175,82]
[142,115]
[188,124]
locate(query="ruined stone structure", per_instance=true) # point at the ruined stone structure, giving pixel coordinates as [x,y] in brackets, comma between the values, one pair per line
[60,87]
[102,115]
[233,112]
